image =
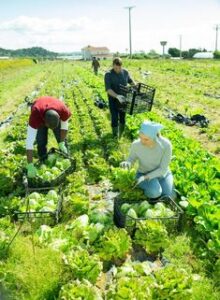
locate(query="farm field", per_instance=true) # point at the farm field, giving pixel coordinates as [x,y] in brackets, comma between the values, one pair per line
[17,79]
[187,87]
[85,256]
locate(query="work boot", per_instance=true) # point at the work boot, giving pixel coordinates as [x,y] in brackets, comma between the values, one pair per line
[115,132]
[121,130]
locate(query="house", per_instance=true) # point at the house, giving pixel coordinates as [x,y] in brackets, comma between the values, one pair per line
[204,55]
[99,52]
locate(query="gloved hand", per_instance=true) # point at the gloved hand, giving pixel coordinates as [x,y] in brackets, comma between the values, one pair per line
[125,165]
[31,170]
[121,99]
[141,179]
[62,147]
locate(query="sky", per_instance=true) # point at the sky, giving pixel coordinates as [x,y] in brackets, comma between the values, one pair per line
[68,25]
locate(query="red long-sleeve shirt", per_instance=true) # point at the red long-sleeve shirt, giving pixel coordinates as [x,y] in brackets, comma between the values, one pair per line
[36,120]
[41,105]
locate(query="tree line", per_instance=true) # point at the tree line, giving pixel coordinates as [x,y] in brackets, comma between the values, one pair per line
[28,52]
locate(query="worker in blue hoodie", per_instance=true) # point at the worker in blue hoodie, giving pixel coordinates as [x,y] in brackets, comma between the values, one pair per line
[153,153]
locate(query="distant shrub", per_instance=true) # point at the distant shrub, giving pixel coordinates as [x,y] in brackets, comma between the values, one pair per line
[217,54]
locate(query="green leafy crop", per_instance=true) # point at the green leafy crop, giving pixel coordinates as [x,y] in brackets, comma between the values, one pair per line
[152,235]
[81,265]
[115,244]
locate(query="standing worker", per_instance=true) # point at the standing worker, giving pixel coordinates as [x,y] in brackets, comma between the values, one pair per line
[95,65]
[153,153]
[46,112]
[114,79]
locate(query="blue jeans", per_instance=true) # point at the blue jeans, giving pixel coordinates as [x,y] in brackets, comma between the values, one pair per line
[157,187]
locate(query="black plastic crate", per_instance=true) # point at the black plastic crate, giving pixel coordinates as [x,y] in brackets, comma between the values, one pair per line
[30,215]
[139,99]
[38,183]
[122,220]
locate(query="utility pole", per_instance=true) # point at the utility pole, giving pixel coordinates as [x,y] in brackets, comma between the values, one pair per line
[163,44]
[180,46]
[217,27]
[130,41]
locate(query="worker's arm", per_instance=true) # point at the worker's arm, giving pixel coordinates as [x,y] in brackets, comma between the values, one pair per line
[108,86]
[63,134]
[109,90]
[63,130]
[31,136]
[132,155]
[130,160]
[64,117]
[112,93]
[164,164]
[29,156]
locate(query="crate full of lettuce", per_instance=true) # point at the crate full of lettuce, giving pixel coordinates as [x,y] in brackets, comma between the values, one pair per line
[45,204]
[128,213]
[53,170]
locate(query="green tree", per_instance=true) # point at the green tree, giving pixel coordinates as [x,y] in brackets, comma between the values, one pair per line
[217,54]
[174,52]
[192,52]
[153,54]
[28,52]
[185,54]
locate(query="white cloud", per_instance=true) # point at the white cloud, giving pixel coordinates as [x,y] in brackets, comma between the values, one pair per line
[54,34]
[42,26]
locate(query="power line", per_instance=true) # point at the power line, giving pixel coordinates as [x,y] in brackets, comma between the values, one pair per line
[130,40]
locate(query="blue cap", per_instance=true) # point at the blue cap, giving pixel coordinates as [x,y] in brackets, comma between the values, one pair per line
[150,129]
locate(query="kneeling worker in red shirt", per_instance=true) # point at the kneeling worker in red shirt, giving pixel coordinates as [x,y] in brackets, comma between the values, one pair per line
[46,112]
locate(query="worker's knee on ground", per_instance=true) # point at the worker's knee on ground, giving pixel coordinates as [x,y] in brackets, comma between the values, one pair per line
[154,193]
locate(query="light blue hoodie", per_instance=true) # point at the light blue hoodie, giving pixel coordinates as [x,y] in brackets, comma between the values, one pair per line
[153,161]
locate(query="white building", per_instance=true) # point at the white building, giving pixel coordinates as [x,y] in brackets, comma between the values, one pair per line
[204,55]
[99,52]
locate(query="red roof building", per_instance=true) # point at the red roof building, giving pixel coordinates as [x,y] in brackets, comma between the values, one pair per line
[89,52]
